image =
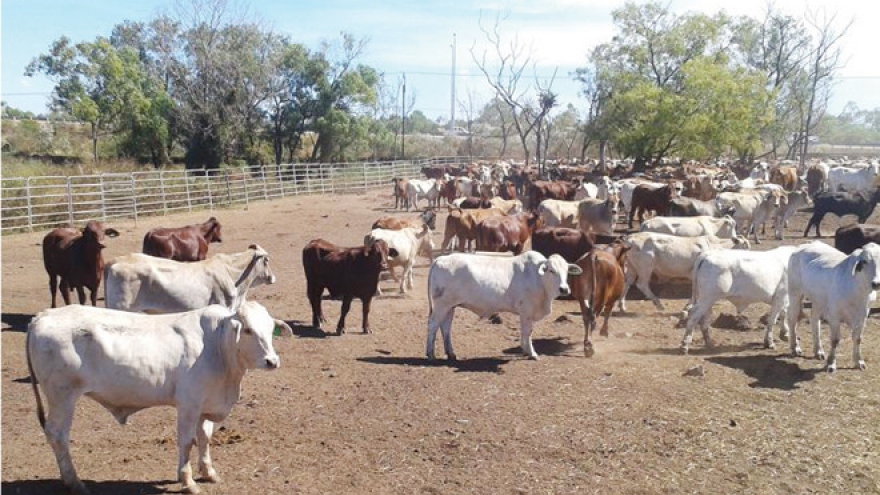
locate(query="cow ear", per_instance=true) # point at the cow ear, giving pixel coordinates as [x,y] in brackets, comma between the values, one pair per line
[859,265]
[542,268]
[574,269]
[111,232]
[236,327]
[282,324]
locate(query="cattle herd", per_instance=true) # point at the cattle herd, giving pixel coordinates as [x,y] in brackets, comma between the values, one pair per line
[179,330]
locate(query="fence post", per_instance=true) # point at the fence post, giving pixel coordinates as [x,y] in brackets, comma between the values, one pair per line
[134,199]
[228,192]
[207,177]
[69,203]
[162,190]
[246,173]
[265,186]
[103,198]
[30,213]
[188,195]
[365,176]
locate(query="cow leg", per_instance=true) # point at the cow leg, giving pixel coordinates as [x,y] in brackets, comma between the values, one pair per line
[857,344]
[53,288]
[816,327]
[589,324]
[834,332]
[206,467]
[187,424]
[525,336]
[777,307]
[695,317]
[57,430]
[346,306]
[314,294]
[365,304]
[406,278]
[795,303]
[93,296]
[607,316]
[81,294]
[643,282]
[442,321]
[65,291]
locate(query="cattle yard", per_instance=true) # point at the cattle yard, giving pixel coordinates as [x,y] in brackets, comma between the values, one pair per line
[369,414]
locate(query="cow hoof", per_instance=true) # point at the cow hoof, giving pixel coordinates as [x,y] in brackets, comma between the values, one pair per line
[495,320]
[684,350]
[797,352]
[79,488]
[210,477]
[589,351]
[340,331]
[451,358]
[861,365]
[193,488]
[820,355]
[831,367]
[769,344]
[367,330]
[533,357]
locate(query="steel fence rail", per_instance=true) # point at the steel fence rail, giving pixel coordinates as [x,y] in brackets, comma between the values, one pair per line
[29,203]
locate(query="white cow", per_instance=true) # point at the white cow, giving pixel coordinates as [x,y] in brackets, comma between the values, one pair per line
[193,361]
[724,227]
[744,205]
[508,205]
[840,289]
[526,285]
[667,256]
[853,179]
[559,213]
[408,242]
[743,278]
[417,189]
[138,282]
[796,200]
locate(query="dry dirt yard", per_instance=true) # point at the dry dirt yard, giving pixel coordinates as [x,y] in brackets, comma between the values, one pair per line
[369,414]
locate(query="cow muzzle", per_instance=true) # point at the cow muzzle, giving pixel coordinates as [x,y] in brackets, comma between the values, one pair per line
[564,291]
[875,285]
[273,362]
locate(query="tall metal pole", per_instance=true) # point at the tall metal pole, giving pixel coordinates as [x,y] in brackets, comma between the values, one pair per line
[403,121]
[452,102]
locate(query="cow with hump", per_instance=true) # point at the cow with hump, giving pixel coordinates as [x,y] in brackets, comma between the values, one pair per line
[76,258]
[137,282]
[486,285]
[347,273]
[193,361]
[840,289]
[189,243]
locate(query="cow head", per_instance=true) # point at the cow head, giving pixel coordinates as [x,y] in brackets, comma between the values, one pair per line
[211,230]
[260,274]
[379,252]
[728,227]
[93,233]
[868,262]
[554,273]
[429,218]
[250,331]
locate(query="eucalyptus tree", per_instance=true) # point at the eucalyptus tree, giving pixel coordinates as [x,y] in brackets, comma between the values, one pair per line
[96,83]
[666,85]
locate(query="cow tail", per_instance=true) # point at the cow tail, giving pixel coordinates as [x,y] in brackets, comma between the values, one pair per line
[593,296]
[41,413]
[430,299]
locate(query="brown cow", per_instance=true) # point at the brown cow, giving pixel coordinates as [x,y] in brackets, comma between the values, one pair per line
[399,193]
[787,177]
[347,273]
[188,243]
[506,233]
[571,244]
[647,198]
[507,190]
[540,190]
[434,172]
[75,256]
[816,178]
[462,226]
[598,288]
[427,217]
[699,187]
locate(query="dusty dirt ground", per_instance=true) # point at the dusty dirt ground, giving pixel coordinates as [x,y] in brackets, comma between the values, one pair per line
[369,414]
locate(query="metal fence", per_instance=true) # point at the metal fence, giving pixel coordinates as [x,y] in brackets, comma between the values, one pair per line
[30,203]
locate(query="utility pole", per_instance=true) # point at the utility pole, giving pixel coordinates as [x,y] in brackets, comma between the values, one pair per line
[452,102]
[403,120]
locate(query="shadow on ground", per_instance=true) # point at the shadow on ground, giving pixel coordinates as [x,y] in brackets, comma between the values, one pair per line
[482,365]
[41,487]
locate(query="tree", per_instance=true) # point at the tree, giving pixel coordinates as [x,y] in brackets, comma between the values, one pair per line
[95,82]
[527,116]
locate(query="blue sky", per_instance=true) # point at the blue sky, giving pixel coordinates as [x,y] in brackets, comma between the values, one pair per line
[414,37]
